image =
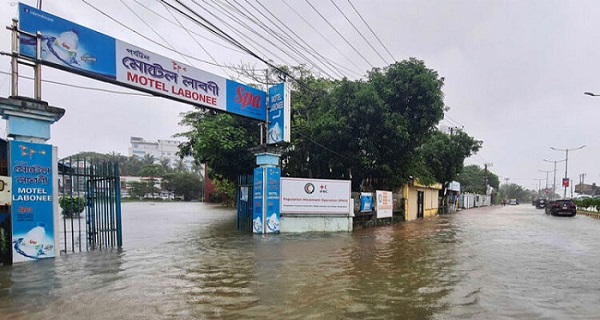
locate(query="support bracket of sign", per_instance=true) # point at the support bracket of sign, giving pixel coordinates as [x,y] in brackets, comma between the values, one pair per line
[16,59]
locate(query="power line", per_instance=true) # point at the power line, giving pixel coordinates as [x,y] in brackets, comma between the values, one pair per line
[312,51]
[365,22]
[339,34]
[283,39]
[158,34]
[194,39]
[276,35]
[355,28]
[324,38]
[178,24]
[241,34]
[220,33]
[155,42]
[84,87]
[451,119]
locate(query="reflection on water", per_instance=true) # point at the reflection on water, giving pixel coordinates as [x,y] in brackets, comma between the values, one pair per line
[187,261]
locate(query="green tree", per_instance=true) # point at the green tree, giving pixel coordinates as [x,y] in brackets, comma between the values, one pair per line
[472,179]
[369,131]
[185,184]
[366,131]
[443,155]
[137,189]
[222,141]
[513,191]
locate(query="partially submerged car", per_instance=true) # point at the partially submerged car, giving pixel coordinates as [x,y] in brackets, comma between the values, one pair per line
[540,203]
[561,207]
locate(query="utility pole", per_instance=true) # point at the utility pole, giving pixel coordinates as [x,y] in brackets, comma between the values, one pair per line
[566,163]
[546,171]
[554,183]
[485,177]
[581,182]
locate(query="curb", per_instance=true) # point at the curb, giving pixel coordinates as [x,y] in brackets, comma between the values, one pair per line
[591,215]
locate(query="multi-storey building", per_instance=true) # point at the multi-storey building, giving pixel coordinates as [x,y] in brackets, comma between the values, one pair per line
[161,149]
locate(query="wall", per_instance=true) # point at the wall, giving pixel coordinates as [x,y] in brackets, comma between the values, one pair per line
[470,200]
[296,223]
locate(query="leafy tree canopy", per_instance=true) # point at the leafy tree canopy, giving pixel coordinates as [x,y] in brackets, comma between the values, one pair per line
[472,179]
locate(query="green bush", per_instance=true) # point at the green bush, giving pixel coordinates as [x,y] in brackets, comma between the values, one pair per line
[589,203]
[71,206]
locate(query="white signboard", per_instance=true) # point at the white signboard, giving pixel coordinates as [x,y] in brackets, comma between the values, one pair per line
[454,186]
[310,196]
[385,204]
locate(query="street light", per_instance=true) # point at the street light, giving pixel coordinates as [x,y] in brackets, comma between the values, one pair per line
[554,183]
[546,171]
[567,162]
[592,94]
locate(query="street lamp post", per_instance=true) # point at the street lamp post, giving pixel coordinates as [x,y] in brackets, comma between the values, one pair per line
[592,94]
[554,183]
[546,171]
[566,162]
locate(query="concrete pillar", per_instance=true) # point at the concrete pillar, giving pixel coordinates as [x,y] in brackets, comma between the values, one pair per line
[266,214]
[32,168]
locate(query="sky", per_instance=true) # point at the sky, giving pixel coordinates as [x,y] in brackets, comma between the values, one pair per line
[515,71]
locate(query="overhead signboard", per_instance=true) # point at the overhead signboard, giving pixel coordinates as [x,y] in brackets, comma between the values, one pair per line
[315,196]
[279,114]
[74,48]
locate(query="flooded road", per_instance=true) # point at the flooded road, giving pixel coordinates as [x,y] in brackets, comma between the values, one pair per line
[187,261]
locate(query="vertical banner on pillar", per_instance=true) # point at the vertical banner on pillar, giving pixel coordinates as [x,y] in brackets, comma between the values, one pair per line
[273,192]
[279,114]
[257,211]
[32,201]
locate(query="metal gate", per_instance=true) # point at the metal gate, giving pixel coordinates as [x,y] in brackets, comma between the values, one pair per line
[90,203]
[245,202]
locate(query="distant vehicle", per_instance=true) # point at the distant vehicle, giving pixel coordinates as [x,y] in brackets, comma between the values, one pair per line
[514,202]
[561,207]
[540,203]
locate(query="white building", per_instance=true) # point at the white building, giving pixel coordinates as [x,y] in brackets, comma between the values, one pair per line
[161,149]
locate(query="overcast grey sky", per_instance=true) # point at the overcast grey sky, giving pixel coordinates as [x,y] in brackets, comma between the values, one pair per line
[515,71]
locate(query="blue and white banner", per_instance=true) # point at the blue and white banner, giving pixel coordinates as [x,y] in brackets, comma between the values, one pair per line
[366,202]
[74,48]
[66,44]
[32,201]
[279,114]
[257,211]
[273,192]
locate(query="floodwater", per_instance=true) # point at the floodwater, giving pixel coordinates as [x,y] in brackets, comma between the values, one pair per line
[187,261]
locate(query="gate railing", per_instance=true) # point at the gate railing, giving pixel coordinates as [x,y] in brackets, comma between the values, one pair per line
[95,188]
[245,196]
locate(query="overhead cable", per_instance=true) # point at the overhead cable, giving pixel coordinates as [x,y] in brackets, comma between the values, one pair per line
[351,61]
[339,34]
[355,28]
[373,32]
[285,39]
[153,41]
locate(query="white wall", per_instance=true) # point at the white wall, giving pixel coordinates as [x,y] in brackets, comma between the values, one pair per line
[295,224]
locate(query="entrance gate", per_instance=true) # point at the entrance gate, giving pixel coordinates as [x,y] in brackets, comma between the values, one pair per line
[245,202]
[90,203]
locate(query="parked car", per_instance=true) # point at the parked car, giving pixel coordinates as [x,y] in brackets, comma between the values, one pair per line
[540,203]
[561,207]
